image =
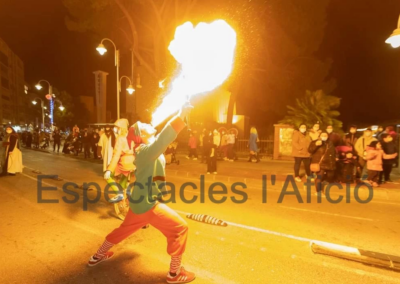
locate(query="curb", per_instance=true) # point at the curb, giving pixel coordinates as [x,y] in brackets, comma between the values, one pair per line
[355,254]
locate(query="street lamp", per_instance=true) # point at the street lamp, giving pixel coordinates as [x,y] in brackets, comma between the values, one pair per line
[394,39]
[34,102]
[130,88]
[39,87]
[102,50]
[61,107]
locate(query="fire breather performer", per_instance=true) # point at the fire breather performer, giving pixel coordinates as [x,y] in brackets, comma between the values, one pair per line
[144,204]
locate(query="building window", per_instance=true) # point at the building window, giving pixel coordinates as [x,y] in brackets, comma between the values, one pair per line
[5,83]
[4,69]
[3,58]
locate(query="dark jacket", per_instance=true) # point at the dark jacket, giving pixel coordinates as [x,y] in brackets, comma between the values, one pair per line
[86,139]
[95,138]
[300,144]
[57,137]
[335,138]
[326,152]
[350,139]
[389,149]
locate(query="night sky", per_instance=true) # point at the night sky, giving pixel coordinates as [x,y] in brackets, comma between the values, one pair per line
[366,69]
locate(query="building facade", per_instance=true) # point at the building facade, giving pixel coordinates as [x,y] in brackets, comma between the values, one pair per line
[13,99]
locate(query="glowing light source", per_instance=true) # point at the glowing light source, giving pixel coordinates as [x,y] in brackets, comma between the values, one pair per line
[34,102]
[206,54]
[130,89]
[38,87]
[394,39]
[61,108]
[101,49]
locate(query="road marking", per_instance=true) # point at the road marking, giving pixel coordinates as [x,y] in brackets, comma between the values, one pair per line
[259,230]
[326,213]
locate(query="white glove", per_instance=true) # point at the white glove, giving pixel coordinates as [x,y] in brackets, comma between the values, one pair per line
[185,110]
[107,175]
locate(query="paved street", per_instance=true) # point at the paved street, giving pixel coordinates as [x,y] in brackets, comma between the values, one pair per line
[263,243]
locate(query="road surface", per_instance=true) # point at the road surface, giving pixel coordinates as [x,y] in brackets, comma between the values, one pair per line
[263,243]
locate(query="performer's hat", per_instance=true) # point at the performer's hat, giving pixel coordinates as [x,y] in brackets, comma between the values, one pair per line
[122,123]
[134,135]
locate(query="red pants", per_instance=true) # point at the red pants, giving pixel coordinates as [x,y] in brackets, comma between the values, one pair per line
[161,217]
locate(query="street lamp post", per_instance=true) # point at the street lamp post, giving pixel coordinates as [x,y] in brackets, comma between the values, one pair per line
[394,41]
[102,49]
[130,88]
[42,106]
[39,87]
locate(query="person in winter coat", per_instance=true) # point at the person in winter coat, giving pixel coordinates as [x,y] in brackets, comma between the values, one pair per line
[29,140]
[374,158]
[323,152]
[231,138]
[388,130]
[57,141]
[122,165]
[145,207]
[106,145]
[10,143]
[333,136]
[389,147]
[253,139]
[361,150]
[351,138]
[202,147]
[94,141]
[224,145]
[75,131]
[86,139]
[192,147]
[212,160]
[300,143]
[347,166]
[315,132]
[217,140]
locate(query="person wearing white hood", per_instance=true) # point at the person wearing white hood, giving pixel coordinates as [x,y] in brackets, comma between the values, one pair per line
[216,140]
[106,145]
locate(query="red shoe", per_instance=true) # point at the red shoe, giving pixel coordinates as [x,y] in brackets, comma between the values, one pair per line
[94,261]
[182,276]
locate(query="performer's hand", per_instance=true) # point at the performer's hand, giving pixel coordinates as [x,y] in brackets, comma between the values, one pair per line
[107,175]
[185,110]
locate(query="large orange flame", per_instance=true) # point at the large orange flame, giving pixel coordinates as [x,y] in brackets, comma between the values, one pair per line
[206,55]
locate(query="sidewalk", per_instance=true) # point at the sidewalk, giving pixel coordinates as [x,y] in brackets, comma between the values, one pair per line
[251,174]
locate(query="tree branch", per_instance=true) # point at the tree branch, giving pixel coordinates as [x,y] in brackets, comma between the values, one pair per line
[135,39]
[159,20]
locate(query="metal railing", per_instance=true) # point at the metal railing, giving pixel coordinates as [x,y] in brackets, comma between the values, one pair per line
[266,147]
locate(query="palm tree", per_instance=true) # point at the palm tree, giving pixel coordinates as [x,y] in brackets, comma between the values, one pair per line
[314,107]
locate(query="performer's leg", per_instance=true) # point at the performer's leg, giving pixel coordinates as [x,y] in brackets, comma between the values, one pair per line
[131,224]
[172,226]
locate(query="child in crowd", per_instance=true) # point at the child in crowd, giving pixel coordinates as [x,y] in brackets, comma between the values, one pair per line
[192,147]
[374,157]
[389,147]
[347,166]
